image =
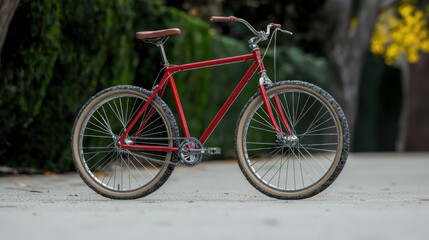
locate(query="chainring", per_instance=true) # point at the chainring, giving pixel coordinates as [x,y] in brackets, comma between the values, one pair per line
[191,152]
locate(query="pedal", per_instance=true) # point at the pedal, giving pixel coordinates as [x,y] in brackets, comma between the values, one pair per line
[213,150]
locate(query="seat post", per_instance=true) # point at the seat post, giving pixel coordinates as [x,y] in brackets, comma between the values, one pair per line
[164,56]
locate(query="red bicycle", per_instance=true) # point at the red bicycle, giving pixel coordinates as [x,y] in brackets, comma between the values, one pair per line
[291,138]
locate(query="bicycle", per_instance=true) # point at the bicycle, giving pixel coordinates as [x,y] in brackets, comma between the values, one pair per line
[291,138]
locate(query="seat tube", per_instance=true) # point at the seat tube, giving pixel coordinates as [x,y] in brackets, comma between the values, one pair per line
[178,104]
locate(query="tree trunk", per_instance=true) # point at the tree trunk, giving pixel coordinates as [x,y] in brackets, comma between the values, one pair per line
[417,109]
[346,48]
[7,10]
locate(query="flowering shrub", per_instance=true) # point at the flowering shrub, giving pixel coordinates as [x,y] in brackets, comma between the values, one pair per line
[401,32]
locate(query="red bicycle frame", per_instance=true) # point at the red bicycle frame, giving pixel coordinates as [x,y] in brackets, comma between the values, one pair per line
[167,78]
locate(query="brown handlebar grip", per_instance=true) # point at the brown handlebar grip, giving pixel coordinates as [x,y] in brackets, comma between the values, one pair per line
[275,25]
[223,19]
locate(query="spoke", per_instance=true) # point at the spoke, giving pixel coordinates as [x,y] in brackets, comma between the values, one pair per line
[311,166]
[104,163]
[97,152]
[269,154]
[121,110]
[116,114]
[134,110]
[268,126]
[127,116]
[320,149]
[301,115]
[110,178]
[275,163]
[279,169]
[313,122]
[293,108]
[258,149]
[130,172]
[267,161]
[315,127]
[105,119]
[148,154]
[317,160]
[287,112]
[146,117]
[146,160]
[265,130]
[102,132]
[297,107]
[261,143]
[106,127]
[323,129]
[316,134]
[108,146]
[319,144]
[264,119]
[97,136]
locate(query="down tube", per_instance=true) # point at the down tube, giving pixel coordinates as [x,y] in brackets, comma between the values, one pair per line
[246,78]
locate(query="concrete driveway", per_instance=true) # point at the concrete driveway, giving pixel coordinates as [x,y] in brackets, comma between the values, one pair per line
[377,196]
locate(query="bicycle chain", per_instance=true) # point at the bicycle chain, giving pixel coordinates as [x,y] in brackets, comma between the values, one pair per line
[179,162]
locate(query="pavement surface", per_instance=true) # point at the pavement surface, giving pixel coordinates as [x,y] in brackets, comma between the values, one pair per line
[377,196]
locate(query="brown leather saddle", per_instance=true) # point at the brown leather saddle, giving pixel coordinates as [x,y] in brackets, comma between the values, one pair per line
[149,35]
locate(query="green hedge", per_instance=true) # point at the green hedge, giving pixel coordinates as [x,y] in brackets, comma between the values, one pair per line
[56,55]
[59,53]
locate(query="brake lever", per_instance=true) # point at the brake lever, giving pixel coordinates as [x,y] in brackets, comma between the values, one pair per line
[285,31]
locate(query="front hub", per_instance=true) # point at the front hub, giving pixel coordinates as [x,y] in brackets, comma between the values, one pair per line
[291,141]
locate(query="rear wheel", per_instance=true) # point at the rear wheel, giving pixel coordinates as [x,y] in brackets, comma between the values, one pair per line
[109,170]
[292,168]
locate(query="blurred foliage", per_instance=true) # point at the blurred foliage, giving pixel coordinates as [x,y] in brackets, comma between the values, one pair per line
[56,55]
[59,53]
[401,31]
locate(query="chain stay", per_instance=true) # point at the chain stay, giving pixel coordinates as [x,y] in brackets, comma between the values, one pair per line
[180,163]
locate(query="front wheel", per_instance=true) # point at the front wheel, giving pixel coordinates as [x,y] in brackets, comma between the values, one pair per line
[110,170]
[292,168]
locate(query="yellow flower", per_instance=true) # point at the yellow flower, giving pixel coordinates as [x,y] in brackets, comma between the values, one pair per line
[410,39]
[393,22]
[423,34]
[424,45]
[377,47]
[393,51]
[406,9]
[404,32]
[397,35]
[413,57]
[419,15]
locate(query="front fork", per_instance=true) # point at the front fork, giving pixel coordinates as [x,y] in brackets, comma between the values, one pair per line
[290,134]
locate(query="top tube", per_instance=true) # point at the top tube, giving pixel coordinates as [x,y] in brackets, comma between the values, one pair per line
[210,63]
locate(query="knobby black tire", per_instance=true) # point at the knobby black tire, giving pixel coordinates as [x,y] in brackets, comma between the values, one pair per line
[103,117]
[272,160]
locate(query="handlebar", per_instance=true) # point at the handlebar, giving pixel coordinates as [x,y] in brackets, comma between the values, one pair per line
[275,25]
[260,34]
[223,19]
